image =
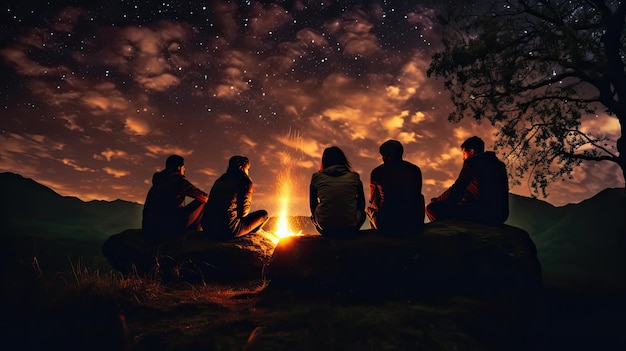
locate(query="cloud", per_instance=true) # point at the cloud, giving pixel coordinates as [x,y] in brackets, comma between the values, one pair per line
[74,165]
[601,124]
[413,81]
[70,123]
[109,154]
[226,118]
[160,150]
[418,117]
[209,172]
[29,144]
[15,55]
[151,54]
[355,37]
[246,140]
[115,172]
[307,41]
[66,19]
[20,153]
[235,73]
[226,18]
[101,104]
[137,126]
[267,18]
[159,83]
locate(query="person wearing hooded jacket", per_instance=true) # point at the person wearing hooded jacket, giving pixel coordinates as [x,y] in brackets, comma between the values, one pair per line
[396,205]
[481,191]
[164,212]
[227,214]
[336,196]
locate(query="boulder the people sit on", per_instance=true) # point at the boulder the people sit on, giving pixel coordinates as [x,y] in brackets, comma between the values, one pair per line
[449,257]
[189,257]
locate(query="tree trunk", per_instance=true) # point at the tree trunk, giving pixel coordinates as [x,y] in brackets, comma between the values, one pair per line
[621,158]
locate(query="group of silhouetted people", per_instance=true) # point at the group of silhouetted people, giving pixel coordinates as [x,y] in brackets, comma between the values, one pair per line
[224,212]
[336,198]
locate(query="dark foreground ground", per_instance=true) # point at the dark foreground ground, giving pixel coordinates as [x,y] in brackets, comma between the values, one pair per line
[212,317]
[45,307]
[563,322]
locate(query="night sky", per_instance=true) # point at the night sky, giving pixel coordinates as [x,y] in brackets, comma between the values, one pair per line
[94,95]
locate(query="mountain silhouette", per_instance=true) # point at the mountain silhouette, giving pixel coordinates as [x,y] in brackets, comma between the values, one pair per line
[30,208]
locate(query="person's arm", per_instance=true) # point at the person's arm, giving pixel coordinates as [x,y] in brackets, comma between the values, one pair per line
[360,197]
[374,202]
[195,193]
[312,196]
[244,199]
[456,191]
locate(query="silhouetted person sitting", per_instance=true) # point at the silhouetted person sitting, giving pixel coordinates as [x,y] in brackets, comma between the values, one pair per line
[396,201]
[336,196]
[227,214]
[164,212]
[481,191]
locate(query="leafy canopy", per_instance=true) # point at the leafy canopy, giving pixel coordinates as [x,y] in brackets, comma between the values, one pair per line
[537,70]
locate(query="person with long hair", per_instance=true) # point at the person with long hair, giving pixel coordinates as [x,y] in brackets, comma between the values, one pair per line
[336,196]
[227,213]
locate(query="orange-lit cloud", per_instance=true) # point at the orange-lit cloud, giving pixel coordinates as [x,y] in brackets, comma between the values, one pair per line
[159,150]
[73,164]
[117,173]
[137,126]
[109,154]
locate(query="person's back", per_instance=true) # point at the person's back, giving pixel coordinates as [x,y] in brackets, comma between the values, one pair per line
[165,213]
[486,200]
[480,192]
[397,191]
[227,213]
[160,210]
[337,199]
[227,192]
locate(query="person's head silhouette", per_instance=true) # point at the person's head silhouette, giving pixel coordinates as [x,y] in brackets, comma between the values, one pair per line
[391,150]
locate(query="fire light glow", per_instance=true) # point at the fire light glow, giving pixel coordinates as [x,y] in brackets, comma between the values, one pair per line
[283,227]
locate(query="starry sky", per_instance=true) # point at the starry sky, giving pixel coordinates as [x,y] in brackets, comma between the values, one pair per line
[95,95]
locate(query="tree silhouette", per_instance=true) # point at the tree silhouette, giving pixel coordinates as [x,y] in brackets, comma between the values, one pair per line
[539,71]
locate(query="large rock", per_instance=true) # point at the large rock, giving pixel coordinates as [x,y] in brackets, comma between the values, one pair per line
[191,257]
[447,258]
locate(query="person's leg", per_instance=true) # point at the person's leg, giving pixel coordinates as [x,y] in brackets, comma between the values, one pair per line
[437,211]
[360,220]
[317,225]
[372,216]
[193,215]
[251,223]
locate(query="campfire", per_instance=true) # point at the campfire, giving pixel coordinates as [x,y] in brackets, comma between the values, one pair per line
[283,228]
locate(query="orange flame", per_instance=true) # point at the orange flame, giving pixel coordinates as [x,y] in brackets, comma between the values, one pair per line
[283,228]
